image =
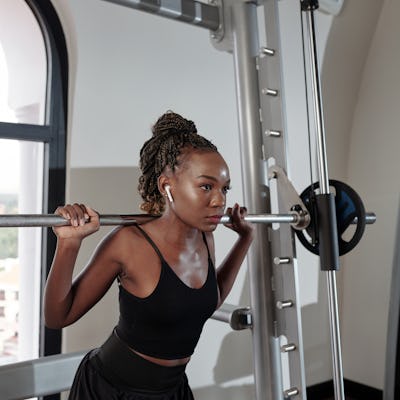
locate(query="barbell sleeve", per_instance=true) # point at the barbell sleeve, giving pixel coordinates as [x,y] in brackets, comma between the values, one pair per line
[236,316]
[49,220]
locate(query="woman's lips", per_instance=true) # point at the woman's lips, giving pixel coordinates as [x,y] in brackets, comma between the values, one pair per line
[215,218]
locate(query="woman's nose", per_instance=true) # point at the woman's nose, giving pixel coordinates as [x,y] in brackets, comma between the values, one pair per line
[218,199]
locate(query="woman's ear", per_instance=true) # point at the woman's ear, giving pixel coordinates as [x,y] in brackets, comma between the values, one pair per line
[164,187]
[161,182]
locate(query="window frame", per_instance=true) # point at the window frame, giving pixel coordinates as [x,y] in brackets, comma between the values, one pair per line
[53,134]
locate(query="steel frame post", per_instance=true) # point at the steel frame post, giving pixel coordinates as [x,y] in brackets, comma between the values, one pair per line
[272,109]
[267,370]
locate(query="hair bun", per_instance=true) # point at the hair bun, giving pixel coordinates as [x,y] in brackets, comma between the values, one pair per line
[172,123]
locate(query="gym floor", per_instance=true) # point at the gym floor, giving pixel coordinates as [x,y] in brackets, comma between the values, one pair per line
[347,397]
[353,391]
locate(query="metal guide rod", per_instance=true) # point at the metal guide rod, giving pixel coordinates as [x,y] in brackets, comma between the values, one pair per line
[193,12]
[332,249]
[48,220]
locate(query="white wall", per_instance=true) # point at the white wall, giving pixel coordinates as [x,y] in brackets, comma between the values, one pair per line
[361,92]
[374,165]
[345,59]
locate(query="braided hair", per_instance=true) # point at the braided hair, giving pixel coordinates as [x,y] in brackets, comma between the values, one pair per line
[172,134]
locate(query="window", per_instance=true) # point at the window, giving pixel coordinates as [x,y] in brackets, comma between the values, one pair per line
[33,72]
[21,191]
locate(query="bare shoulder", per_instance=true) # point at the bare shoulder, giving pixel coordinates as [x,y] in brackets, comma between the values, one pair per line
[139,264]
[120,238]
[122,233]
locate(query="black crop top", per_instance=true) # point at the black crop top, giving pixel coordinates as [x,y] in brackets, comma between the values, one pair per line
[167,324]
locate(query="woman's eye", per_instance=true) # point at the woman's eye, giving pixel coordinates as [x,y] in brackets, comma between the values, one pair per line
[226,189]
[206,187]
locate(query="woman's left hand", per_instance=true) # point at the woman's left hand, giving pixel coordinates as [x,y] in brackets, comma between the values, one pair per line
[237,222]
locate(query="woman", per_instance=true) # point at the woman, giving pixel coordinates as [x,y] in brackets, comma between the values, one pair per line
[168,286]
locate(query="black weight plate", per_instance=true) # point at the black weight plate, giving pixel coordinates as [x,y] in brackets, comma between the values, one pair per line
[348,207]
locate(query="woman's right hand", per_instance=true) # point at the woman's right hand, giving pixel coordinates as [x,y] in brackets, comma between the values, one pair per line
[83,221]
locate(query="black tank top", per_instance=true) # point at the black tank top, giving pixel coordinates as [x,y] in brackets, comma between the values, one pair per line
[167,324]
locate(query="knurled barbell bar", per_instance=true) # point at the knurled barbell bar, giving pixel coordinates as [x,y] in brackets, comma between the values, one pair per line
[49,220]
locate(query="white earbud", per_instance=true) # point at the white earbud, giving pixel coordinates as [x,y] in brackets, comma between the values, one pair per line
[169,195]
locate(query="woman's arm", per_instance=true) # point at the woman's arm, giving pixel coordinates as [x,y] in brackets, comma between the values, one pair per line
[65,300]
[229,268]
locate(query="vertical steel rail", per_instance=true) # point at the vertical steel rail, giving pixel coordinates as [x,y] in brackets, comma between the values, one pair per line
[324,185]
[256,197]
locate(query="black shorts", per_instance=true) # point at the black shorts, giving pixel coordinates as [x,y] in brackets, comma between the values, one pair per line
[114,371]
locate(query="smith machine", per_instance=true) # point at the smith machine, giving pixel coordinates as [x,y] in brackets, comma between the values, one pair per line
[319,216]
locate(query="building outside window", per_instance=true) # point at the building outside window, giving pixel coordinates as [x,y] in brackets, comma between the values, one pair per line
[33,87]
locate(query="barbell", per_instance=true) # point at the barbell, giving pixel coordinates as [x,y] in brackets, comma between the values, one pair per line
[49,220]
[304,220]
